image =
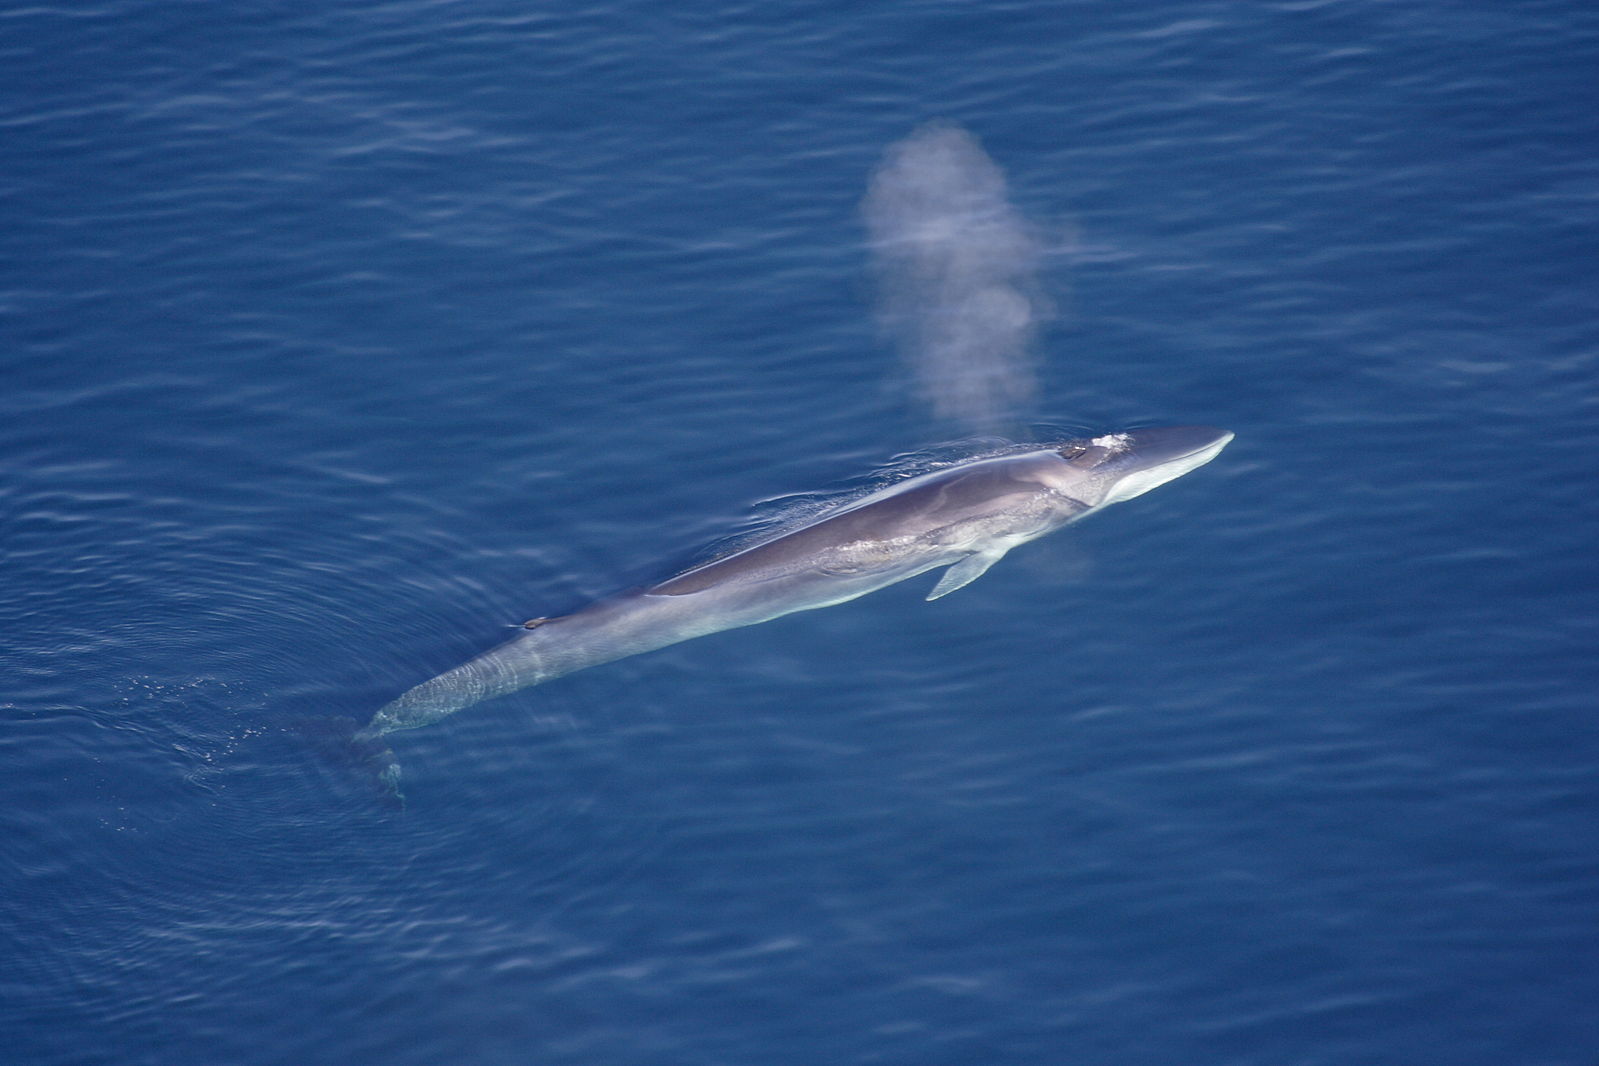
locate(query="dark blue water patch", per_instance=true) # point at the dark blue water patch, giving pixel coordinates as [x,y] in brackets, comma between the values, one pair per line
[338,342]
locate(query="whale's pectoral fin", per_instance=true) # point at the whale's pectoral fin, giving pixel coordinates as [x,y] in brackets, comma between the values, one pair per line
[964,573]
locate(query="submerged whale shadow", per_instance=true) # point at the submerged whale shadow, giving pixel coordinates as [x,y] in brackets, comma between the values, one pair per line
[339,741]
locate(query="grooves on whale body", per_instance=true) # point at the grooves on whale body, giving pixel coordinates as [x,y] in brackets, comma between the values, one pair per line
[964,517]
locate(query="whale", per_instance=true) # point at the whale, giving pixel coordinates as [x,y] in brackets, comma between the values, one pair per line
[963,518]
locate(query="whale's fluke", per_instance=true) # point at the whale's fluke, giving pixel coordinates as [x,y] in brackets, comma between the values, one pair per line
[343,742]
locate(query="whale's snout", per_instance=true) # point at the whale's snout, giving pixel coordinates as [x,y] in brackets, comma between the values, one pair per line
[1161,445]
[1119,466]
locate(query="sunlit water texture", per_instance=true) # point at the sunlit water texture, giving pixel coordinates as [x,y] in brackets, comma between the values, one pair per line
[338,341]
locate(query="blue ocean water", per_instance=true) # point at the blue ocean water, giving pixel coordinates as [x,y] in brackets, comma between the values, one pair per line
[336,339]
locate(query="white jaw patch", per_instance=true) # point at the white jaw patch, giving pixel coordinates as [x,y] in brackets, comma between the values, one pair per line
[1140,482]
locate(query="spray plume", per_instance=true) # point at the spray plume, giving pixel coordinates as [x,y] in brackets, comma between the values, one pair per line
[956,266]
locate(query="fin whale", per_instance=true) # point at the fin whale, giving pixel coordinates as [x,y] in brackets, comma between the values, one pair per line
[964,517]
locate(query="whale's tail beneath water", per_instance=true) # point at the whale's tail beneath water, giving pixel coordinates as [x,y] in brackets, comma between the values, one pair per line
[377,756]
[343,742]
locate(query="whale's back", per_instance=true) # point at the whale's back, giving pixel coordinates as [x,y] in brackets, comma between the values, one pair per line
[896,515]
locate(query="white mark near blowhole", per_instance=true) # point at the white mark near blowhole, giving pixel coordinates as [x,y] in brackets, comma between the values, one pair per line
[1112,442]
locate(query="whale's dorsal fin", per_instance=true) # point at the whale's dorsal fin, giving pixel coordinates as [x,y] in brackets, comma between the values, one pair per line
[964,573]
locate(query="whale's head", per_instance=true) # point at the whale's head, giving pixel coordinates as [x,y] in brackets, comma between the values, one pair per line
[1100,471]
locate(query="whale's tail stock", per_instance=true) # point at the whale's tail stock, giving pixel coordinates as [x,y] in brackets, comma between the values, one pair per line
[343,741]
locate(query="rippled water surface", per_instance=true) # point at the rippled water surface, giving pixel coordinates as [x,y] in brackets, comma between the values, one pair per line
[337,339]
